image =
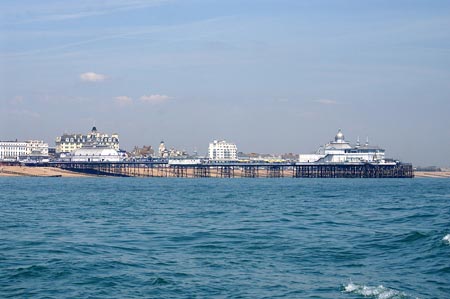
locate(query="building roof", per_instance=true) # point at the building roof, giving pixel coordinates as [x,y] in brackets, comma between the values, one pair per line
[95,151]
[368,147]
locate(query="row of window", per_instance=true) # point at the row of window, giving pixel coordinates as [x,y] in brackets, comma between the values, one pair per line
[14,148]
[105,139]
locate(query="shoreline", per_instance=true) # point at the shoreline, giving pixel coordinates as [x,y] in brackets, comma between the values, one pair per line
[29,171]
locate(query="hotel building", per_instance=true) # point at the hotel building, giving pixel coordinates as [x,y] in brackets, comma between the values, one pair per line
[68,143]
[16,150]
[222,151]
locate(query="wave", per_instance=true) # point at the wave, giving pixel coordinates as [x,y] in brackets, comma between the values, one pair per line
[30,271]
[413,236]
[446,239]
[159,281]
[379,292]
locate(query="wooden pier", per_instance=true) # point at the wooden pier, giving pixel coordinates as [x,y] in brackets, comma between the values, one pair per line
[240,170]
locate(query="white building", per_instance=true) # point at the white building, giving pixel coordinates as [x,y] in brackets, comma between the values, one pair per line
[12,150]
[185,161]
[222,151]
[340,151]
[16,150]
[68,143]
[163,152]
[95,154]
[37,147]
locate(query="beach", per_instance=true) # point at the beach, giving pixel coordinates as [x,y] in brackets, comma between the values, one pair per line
[38,172]
[432,174]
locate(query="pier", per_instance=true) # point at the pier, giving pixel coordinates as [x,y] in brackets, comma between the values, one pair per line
[240,170]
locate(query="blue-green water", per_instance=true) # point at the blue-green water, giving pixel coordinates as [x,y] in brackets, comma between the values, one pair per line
[220,238]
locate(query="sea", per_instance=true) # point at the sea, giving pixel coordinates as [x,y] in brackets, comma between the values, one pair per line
[224,238]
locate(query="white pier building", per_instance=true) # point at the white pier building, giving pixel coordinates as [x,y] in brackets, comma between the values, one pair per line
[340,151]
[95,154]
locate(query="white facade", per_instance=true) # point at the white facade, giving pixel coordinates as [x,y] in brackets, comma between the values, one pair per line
[340,151]
[68,143]
[222,151]
[95,154]
[163,152]
[13,150]
[184,161]
[37,147]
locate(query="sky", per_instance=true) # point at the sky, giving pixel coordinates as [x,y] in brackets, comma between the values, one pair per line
[272,76]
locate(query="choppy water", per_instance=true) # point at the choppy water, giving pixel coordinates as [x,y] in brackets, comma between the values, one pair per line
[219,238]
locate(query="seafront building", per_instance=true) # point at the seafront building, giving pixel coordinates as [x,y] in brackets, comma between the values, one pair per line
[164,152]
[23,150]
[95,154]
[145,151]
[12,150]
[222,151]
[340,151]
[68,143]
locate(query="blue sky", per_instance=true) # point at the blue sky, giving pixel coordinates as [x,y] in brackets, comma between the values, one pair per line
[272,76]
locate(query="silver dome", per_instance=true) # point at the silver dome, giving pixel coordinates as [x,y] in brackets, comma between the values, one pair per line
[339,136]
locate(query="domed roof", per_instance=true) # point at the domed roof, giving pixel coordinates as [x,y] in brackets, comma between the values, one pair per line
[95,151]
[339,136]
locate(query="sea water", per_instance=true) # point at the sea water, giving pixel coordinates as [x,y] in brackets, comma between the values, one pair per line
[224,238]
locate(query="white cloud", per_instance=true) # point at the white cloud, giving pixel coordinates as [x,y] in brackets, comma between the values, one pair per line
[124,100]
[326,102]
[17,100]
[154,98]
[67,10]
[24,113]
[92,77]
